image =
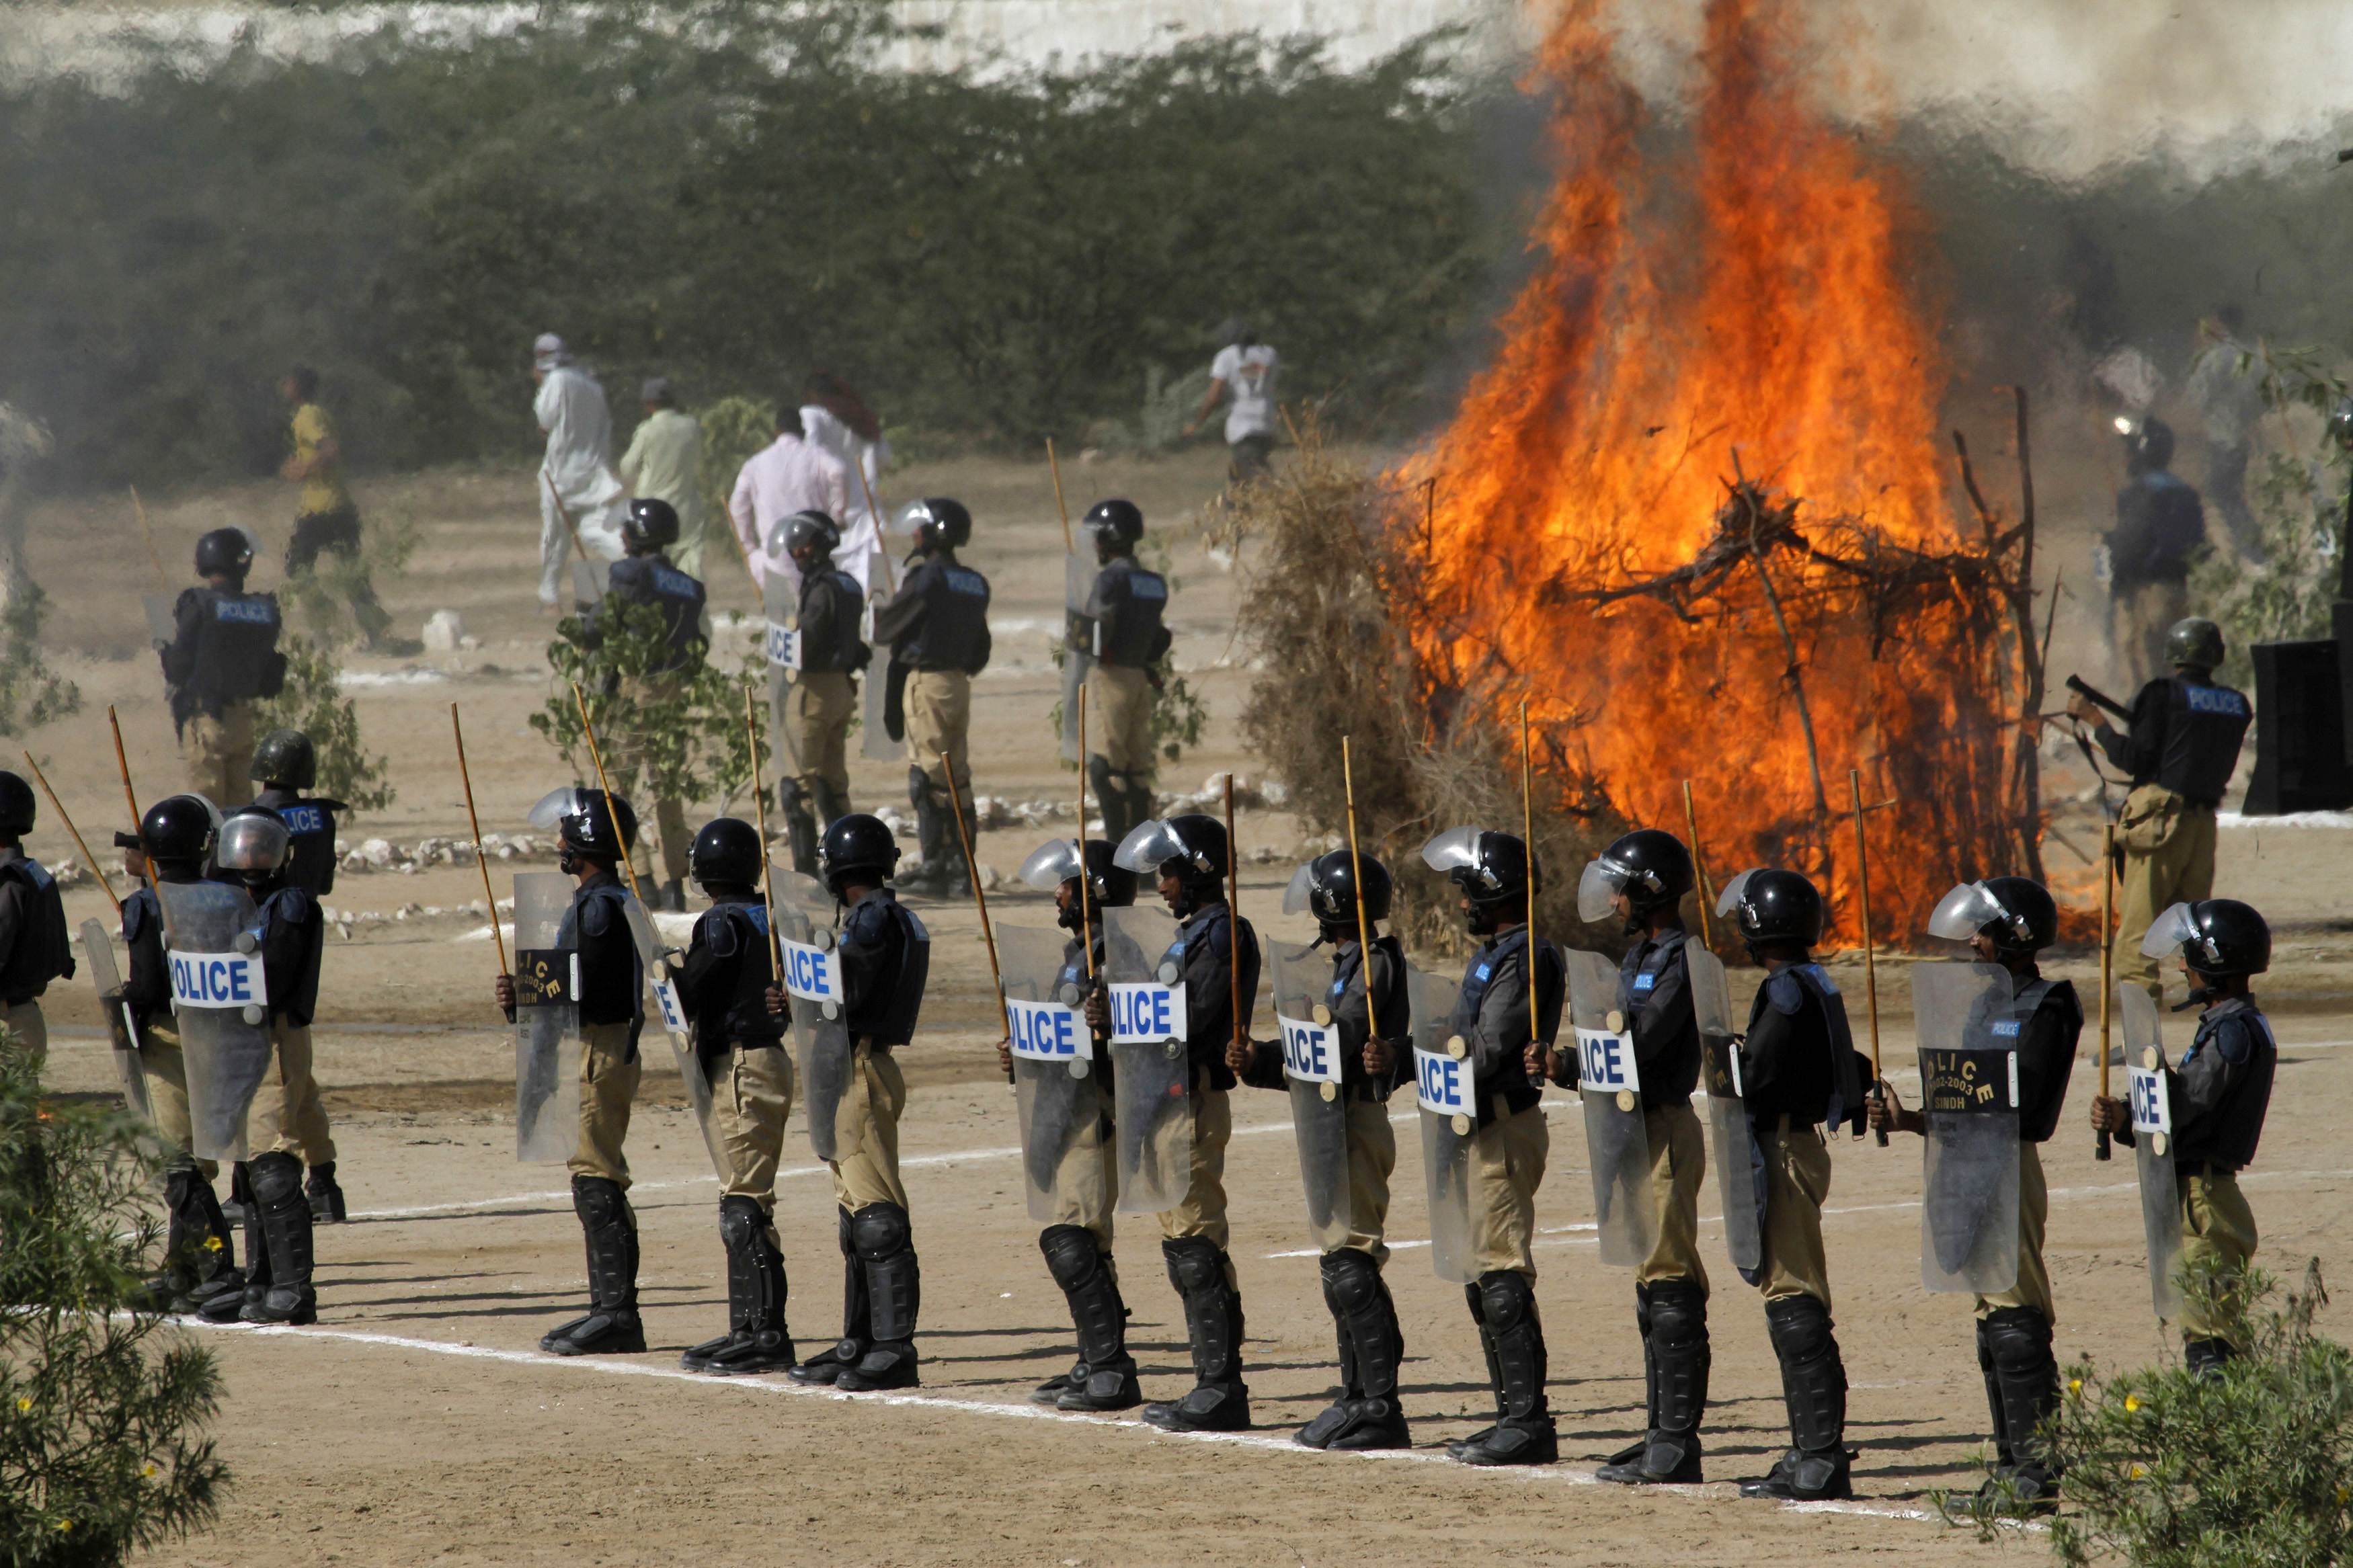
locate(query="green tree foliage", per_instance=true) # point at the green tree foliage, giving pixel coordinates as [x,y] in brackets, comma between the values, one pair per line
[31,694]
[312,701]
[102,1406]
[733,429]
[665,734]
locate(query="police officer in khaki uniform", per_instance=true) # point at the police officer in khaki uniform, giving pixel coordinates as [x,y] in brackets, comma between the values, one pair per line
[730,967]
[594,831]
[34,946]
[285,766]
[1123,628]
[221,659]
[937,627]
[886,957]
[1496,876]
[815,703]
[2180,745]
[644,580]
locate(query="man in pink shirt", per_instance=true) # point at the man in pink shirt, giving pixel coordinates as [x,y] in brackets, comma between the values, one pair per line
[789,476]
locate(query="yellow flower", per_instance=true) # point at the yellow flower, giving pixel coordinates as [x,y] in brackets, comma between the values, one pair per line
[212,1244]
[148,1471]
[2138,1472]
[64,1525]
[2074,1385]
[2132,1402]
[24,1403]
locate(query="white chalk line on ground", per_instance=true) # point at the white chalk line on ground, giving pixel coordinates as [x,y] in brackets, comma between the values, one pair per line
[1554,1474]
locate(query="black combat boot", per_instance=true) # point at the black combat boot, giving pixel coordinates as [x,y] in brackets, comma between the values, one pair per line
[1524,1432]
[213,1273]
[2205,1357]
[326,1199]
[929,874]
[1104,1377]
[756,1340]
[1478,1303]
[885,1243]
[230,1305]
[857,1316]
[1813,1385]
[1220,1401]
[1678,1359]
[800,827]
[611,1326]
[1111,795]
[1368,1416]
[1640,1446]
[286,1229]
[2021,1380]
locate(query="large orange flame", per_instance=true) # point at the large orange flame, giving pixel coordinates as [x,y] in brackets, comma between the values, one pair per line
[1748,310]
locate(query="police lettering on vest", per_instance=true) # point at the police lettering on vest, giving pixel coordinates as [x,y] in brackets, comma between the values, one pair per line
[1128,606]
[2202,735]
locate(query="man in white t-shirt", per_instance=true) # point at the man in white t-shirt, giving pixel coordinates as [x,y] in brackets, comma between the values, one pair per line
[786,476]
[1245,367]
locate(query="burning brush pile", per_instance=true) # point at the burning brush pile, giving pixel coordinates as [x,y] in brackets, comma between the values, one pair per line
[1694,514]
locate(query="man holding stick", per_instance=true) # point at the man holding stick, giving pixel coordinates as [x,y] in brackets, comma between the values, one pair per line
[579,497]
[937,630]
[1122,630]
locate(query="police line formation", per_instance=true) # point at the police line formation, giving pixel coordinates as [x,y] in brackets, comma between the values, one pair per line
[1128,1026]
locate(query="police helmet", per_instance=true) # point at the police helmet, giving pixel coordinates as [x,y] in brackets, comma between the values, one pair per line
[937,522]
[1326,888]
[1773,906]
[2194,641]
[2017,913]
[1493,869]
[16,804]
[2148,442]
[1191,847]
[225,552]
[1109,884]
[812,532]
[177,830]
[1649,867]
[652,525]
[286,758]
[2214,936]
[1116,525]
[588,821]
[727,849]
[253,842]
[855,844]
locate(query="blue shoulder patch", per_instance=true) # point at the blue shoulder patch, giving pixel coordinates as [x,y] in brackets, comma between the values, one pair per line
[963,581]
[2235,1041]
[595,913]
[1146,585]
[672,582]
[718,934]
[1784,991]
[1645,980]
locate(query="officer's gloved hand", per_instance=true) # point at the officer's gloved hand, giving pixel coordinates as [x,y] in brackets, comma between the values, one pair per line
[505,992]
[777,1008]
[1099,1011]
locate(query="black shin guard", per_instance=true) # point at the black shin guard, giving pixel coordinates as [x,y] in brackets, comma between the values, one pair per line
[2026,1379]
[2005,1456]
[1371,1347]
[1813,1385]
[1509,1326]
[1105,1376]
[286,1222]
[609,1230]
[757,1339]
[886,1254]
[1220,1401]
[857,1315]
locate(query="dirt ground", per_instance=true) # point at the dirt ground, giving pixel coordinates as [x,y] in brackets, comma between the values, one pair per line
[417,1422]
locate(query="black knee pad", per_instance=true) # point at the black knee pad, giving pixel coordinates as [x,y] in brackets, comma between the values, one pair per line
[1678,1314]
[879,1231]
[1072,1256]
[599,1201]
[2015,1339]
[1195,1264]
[1800,1330]
[276,1179]
[1508,1298]
[1352,1280]
[741,1223]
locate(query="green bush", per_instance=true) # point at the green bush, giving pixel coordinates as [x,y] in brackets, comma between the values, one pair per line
[312,701]
[664,736]
[31,694]
[102,1406]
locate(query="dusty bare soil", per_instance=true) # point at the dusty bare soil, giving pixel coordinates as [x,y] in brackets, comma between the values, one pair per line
[418,1422]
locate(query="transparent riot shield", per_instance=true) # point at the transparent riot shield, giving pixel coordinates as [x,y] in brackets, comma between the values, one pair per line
[1445,1091]
[1739,1187]
[780,599]
[162,630]
[1312,1070]
[1059,1093]
[547,1020]
[1149,1065]
[1618,1145]
[2152,1121]
[1968,1101]
[1078,586]
[222,999]
[123,1032]
[819,1001]
[874,742]
[590,581]
[671,1015]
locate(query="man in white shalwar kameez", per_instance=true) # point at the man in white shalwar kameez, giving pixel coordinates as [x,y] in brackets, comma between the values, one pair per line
[835,418]
[788,475]
[577,470]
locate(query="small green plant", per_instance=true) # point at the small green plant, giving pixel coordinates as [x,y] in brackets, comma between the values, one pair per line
[103,1405]
[734,428]
[1179,717]
[31,694]
[312,701]
[336,595]
[665,734]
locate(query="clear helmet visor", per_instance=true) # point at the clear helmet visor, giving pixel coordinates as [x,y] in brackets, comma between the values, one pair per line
[558,804]
[1965,910]
[1734,891]
[911,519]
[1455,849]
[1052,864]
[1297,895]
[2169,931]
[252,844]
[1598,889]
[1146,846]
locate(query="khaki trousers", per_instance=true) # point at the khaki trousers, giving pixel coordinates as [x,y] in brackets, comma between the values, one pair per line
[813,712]
[2168,858]
[629,752]
[2034,1286]
[867,1124]
[1119,721]
[2216,1224]
[219,754]
[1797,1181]
[309,1135]
[938,704]
[1507,1165]
[1372,1156]
[609,1072]
[32,1030]
[1203,1212]
[2138,619]
[1678,1161]
[273,1123]
[1086,1183]
[749,1105]
[167,1090]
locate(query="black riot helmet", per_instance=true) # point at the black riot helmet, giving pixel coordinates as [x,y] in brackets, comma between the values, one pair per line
[2216,937]
[811,533]
[18,808]
[857,847]
[225,552]
[1056,862]
[2196,642]
[286,758]
[1773,906]
[2148,443]
[1495,871]
[937,522]
[1649,867]
[652,525]
[1326,888]
[2017,914]
[588,823]
[1191,847]
[176,832]
[1115,526]
[727,851]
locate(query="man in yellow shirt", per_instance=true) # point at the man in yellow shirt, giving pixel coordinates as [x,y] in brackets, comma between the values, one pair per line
[325,519]
[664,462]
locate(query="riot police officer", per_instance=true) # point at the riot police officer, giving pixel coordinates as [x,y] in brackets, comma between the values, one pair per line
[1123,628]
[594,831]
[287,766]
[2160,526]
[1077,1241]
[723,989]
[886,956]
[222,658]
[1641,878]
[643,579]
[255,849]
[815,697]
[937,627]
[1190,857]
[1496,877]
[1800,1074]
[2180,745]
[2217,1098]
[34,946]
[2007,920]
[1373,1048]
